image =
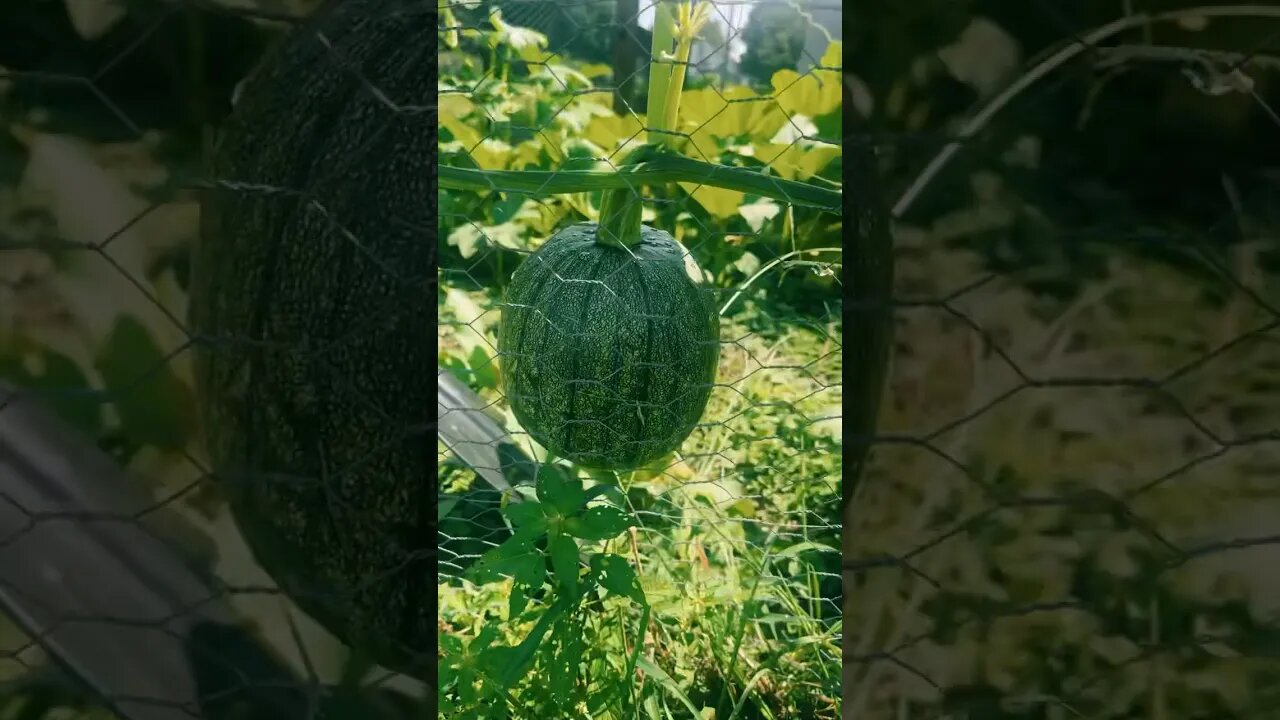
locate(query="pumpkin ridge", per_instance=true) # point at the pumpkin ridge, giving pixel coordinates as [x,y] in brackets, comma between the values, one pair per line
[574,361]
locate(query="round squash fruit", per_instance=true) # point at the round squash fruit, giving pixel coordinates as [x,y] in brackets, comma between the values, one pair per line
[608,353]
[312,311]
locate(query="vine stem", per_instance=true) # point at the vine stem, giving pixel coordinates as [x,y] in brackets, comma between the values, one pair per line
[621,209]
[666,169]
[691,17]
[769,266]
[1051,63]
[664,32]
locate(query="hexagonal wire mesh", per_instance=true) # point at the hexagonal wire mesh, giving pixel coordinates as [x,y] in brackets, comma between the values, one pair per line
[120,559]
[736,530]
[108,109]
[1071,510]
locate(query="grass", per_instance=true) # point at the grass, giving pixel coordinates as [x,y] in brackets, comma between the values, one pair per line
[736,540]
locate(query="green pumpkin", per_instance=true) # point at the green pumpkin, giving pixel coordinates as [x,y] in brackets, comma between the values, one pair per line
[313,309]
[608,353]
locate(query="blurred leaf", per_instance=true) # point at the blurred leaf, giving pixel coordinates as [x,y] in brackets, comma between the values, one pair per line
[717,201]
[154,406]
[599,522]
[748,264]
[69,393]
[759,212]
[94,18]
[529,44]
[799,548]
[618,577]
[817,92]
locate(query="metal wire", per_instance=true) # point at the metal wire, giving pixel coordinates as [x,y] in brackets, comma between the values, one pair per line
[1065,513]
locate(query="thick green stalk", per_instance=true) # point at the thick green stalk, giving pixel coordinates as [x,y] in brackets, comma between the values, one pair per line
[664,33]
[621,209]
[665,169]
[691,17]
[620,218]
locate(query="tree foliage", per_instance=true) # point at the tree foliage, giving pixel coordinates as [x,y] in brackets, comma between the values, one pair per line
[774,36]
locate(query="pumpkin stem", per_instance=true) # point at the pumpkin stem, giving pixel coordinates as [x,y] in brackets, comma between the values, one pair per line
[620,218]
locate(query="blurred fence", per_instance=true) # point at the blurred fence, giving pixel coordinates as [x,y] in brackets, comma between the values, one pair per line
[109,111]
[1071,508]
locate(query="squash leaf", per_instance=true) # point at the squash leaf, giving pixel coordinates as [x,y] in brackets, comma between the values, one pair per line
[717,201]
[817,92]
[529,44]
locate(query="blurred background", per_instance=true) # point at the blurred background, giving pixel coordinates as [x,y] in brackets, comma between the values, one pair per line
[1074,512]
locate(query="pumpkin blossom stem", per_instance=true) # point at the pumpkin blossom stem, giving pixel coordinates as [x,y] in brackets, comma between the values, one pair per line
[691,17]
[621,209]
[664,33]
[620,218]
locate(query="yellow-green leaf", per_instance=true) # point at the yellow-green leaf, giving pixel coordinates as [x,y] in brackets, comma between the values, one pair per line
[817,92]
[717,201]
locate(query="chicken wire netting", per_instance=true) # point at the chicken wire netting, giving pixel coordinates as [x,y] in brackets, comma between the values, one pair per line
[110,111]
[1071,510]
[735,532]
[127,586]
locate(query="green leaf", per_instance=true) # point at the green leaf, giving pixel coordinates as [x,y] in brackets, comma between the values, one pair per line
[503,664]
[599,522]
[507,665]
[444,507]
[483,369]
[526,515]
[617,577]
[517,558]
[667,683]
[803,547]
[154,406]
[470,238]
[564,561]
[564,664]
[560,490]
[606,488]
[518,601]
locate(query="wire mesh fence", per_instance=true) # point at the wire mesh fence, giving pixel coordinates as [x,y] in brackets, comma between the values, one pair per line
[735,532]
[1070,509]
[115,119]
[123,563]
